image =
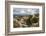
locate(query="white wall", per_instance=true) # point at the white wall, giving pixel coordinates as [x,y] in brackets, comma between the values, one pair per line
[2,18]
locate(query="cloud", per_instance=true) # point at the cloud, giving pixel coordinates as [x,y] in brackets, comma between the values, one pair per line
[25,11]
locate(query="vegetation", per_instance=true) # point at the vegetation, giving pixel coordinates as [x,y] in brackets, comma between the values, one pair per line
[26,21]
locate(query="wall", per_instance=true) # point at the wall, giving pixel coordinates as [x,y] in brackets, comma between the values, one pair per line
[2,18]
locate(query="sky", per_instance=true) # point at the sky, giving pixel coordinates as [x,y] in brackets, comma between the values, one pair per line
[25,11]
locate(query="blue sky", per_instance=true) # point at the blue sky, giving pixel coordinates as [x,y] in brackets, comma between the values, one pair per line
[25,11]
